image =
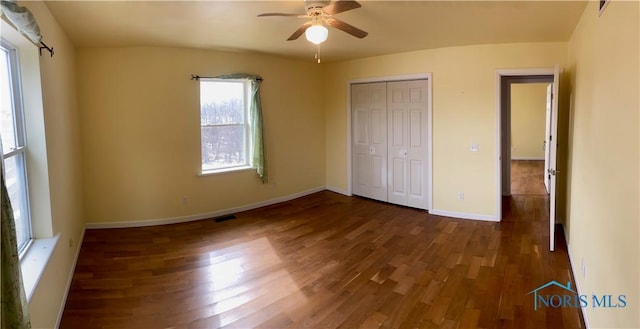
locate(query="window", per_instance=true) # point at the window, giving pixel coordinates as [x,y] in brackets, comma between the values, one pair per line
[13,141]
[224,125]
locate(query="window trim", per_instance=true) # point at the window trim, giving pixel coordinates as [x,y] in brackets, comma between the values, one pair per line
[248,165]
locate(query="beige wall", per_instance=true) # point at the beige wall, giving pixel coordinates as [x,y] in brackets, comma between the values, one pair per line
[528,112]
[64,164]
[464,112]
[602,217]
[141,137]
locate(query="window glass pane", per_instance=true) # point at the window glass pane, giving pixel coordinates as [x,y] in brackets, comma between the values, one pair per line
[223,146]
[221,102]
[7,128]
[15,180]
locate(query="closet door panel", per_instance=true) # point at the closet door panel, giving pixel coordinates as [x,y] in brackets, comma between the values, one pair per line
[397,101]
[369,140]
[407,113]
[417,147]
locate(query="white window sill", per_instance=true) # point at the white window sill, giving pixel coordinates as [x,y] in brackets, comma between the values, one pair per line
[224,171]
[34,262]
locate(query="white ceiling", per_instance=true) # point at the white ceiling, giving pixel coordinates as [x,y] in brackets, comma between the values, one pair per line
[393,26]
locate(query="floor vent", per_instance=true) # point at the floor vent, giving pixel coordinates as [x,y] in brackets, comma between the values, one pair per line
[224,218]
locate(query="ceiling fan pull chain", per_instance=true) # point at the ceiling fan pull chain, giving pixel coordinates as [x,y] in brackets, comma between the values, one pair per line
[318,54]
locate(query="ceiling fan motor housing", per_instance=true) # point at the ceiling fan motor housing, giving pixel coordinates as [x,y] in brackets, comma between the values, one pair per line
[314,7]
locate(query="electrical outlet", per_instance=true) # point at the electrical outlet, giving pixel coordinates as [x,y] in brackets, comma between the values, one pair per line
[185,200]
[461,196]
[70,243]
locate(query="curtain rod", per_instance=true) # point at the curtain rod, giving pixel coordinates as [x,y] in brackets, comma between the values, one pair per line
[44,46]
[197,77]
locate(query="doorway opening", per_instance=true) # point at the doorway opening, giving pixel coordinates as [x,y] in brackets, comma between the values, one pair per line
[518,171]
[521,86]
[530,110]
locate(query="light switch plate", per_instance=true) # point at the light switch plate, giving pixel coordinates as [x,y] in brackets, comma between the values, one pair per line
[474,147]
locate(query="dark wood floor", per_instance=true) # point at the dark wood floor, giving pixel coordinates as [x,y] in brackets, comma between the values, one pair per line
[323,261]
[527,177]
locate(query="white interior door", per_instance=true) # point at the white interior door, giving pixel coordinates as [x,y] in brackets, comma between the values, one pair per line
[407,142]
[547,134]
[369,140]
[553,149]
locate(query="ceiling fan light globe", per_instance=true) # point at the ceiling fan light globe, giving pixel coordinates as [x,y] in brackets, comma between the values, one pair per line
[316,34]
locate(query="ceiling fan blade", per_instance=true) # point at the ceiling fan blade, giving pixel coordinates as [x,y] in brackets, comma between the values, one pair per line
[299,31]
[281,14]
[340,25]
[341,6]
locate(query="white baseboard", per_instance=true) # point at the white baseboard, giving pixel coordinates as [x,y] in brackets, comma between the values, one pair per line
[528,158]
[575,273]
[228,211]
[463,215]
[70,279]
[338,190]
[189,218]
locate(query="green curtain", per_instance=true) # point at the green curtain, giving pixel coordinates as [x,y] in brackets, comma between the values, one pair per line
[257,131]
[15,314]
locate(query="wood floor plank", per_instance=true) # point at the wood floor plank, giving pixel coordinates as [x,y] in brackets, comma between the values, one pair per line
[527,177]
[375,320]
[325,260]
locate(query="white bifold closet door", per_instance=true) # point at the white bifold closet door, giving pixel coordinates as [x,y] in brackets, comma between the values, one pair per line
[369,117]
[390,141]
[407,142]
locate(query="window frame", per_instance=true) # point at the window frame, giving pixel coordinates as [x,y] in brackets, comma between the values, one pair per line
[19,152]
[248,147]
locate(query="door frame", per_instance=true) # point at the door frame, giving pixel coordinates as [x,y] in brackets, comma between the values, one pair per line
[392,78]
[503,113]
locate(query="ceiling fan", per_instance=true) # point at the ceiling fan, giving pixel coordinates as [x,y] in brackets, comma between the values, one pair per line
[321,13]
